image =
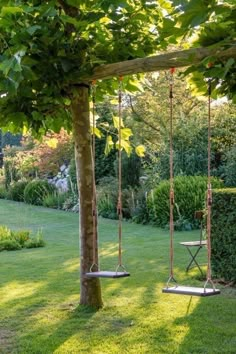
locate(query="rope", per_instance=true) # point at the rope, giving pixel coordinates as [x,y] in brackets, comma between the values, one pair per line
[171,197]
[94,199]
[209,191]
[119,203]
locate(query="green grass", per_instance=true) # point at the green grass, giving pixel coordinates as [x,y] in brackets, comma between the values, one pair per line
[39,294]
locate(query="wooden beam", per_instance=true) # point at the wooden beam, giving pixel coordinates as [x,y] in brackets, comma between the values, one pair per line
[176,59]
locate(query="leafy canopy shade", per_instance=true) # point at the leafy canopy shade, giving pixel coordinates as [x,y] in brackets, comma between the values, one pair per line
[45,47]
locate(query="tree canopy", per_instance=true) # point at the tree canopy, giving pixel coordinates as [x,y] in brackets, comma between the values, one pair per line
[47,47]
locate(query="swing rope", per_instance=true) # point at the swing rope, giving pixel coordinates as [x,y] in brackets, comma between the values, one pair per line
[209,193]
[94,269]
[185,289]
[171,197]
[94,198]
[119,202]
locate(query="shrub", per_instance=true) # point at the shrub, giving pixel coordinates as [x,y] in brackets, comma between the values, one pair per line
[16,191]
[107,196]
[190,194]
[223,236]
[21,236]
[55,200]
[37,190]
[9,245]
[137,204]
[16,239]
[230,168]
[71,203]
[36,241]
[5,233]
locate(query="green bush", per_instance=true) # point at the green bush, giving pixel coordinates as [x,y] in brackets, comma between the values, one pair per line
[36,241]
[55,200]
[107,196]
[9,245]
[16,239]
[16,191]
[21,236]
[5,233]
[223,235]
[3,192]
[190,194]
[37,190]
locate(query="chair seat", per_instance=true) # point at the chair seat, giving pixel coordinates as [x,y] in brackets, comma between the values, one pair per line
[194,243]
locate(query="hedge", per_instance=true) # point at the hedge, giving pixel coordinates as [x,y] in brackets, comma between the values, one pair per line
[223,234]
[190,192]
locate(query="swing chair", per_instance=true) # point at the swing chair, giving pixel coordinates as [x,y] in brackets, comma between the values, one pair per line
[120,271]
[179,289]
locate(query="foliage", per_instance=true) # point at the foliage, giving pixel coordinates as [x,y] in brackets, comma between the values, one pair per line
[137,205]
[52,152]
[37,190]
[36,241]
[223,237]
[229,168]
[55,200]
[72,179]
[189,196]
[107,196]
[16,190]
[74,36]
[148,115]
[9,139]
[210,23]
[104,163]
[131,170]
[11,240]
[3,192]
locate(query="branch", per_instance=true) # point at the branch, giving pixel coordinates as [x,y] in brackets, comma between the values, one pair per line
[166,61]
[141,117]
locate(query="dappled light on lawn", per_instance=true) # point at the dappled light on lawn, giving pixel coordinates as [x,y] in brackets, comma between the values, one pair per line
[14,291]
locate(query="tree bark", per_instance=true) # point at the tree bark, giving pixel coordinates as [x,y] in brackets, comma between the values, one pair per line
[165,61]
[90,289]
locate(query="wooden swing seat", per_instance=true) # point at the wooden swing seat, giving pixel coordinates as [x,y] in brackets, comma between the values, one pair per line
[107,274]
[193,291]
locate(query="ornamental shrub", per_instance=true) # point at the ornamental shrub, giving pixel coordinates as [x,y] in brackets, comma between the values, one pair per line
[37,190]
[223,235]
[11,240]
[55,200]
[190,194]
[16,191]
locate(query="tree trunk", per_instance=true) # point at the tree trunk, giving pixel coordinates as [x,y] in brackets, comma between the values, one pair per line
[90,289]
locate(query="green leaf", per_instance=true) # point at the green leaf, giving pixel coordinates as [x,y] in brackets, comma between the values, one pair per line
[109,145]
[140,150]
[96,131]
[126,133]
[116,122]
[32,29]
[7,65]
[124,145]
[6,10]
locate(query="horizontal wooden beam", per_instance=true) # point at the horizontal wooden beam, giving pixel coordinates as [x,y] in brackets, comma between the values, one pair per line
[176,59]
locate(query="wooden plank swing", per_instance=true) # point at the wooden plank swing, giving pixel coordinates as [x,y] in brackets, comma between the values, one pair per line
[180,289]
[120,271]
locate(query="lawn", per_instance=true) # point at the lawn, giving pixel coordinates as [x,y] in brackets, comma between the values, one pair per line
[39,293]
